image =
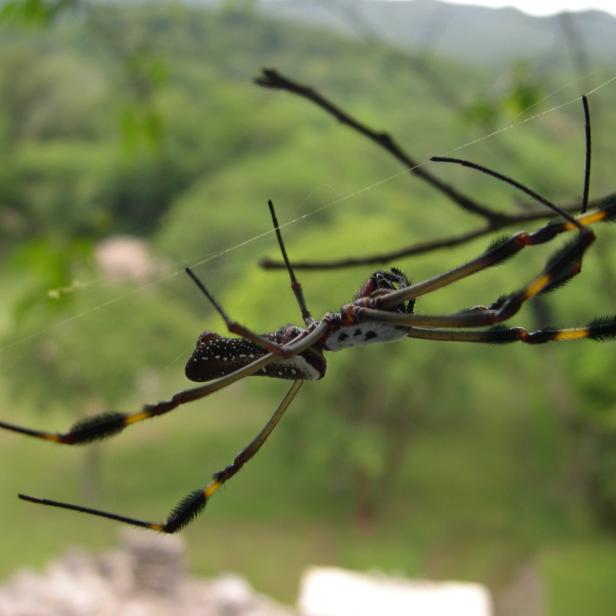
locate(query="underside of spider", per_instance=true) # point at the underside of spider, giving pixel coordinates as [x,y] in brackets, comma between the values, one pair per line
[216,355]
[383,310]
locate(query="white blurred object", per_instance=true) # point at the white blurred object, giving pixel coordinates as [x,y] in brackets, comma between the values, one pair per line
[337,592]
[124,258]
[145,577]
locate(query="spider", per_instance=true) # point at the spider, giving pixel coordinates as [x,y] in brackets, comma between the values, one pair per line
[382,311]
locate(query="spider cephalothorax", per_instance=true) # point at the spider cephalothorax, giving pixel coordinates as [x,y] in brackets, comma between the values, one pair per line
[384,281]
[382,311]
[350,330]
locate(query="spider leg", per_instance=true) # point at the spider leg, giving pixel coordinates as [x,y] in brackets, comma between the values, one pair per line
[505,249]
[561,266]
[236,328]
[109,424]
[295,285]
[600,329]
[588,136]
[496,254]
[192,505]
[522,187]
[240,330]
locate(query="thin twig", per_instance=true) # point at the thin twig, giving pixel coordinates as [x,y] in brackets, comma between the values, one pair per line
[420,248]
[493,219]
[272,79]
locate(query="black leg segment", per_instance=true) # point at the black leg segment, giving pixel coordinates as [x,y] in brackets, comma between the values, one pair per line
[192,505]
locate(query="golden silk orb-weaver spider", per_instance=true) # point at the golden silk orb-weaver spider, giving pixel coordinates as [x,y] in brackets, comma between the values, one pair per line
[383,310]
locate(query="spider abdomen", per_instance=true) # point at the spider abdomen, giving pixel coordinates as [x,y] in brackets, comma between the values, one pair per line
[216,356]
[360,334]
[306,367]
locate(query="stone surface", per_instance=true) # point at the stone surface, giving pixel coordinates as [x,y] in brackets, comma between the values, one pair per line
[145,577]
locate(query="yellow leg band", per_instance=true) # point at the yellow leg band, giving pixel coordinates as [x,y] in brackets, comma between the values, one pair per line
[537,286]
[572,334]
[211,488]
[131,419]
[587,219]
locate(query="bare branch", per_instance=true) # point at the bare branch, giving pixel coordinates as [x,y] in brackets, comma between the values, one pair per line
[272,79]
[430,246]
[381,258]
[493,220]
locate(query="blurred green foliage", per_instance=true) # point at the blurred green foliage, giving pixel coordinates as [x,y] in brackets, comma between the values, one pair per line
[34,12]
[449,460]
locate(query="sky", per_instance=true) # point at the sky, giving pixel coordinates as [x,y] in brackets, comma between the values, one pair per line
[546,7]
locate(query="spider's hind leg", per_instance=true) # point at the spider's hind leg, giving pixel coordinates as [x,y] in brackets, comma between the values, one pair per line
[83,432]
[111,423]
[194,503]
[601,329]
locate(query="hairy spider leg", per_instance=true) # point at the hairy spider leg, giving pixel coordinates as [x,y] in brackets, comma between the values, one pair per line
[601,329]
[497,253]
[504,249]
[501,250]
[563,265]
[109,424]
[194,503]
[560,267]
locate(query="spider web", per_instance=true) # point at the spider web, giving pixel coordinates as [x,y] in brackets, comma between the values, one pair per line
[203,259]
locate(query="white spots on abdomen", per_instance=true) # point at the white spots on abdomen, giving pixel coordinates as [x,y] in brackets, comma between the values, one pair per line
[310,373]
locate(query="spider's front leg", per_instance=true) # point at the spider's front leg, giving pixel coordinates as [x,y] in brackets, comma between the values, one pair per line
[563,265]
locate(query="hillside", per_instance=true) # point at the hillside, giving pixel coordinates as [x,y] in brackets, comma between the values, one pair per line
[469,33]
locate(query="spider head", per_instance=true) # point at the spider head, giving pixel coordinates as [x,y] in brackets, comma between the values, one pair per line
[383,281]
